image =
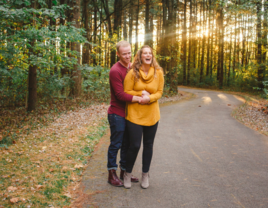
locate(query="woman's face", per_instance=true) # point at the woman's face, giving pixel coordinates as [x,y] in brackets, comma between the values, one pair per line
[146,56]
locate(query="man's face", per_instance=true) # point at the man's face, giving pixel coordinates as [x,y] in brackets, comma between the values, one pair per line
[124,54]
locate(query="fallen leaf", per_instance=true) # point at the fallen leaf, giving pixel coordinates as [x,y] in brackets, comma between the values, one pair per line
[199,106]
[68,195]
[229,104]
[14,200]
[78,166]
[39,186]
[51,170]
[12,188]
[65,168]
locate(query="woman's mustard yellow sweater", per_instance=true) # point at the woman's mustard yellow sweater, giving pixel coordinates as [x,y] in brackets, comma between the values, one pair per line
[148,114]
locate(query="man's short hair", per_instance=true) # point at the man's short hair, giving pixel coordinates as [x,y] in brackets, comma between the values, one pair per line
[122,43]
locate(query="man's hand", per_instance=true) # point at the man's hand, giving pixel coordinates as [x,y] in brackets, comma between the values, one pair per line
[144,92]
[136,99]
[145,99]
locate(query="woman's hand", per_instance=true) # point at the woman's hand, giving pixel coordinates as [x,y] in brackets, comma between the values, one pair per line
[144,92]
[145,99]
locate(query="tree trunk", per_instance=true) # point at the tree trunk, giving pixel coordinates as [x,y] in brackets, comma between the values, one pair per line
[117,24]
[183,45]
[261,67]
[211,43]
[230,58]
[86,47]
[32,74]
[203,47]
[171,43]
[76,73]
[147,22]
[95,33]
[209,39]
[190,44]
[32,83]
[194,36]
[125,25]
[221,45]
[130,22]
[137,28]
[234,55]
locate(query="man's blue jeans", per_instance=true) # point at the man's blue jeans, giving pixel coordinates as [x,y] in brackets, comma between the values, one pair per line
[118,139]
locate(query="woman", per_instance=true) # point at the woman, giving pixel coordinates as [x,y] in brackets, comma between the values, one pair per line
[146,79]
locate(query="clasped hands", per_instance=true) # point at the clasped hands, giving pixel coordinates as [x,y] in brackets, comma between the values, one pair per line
[144,99]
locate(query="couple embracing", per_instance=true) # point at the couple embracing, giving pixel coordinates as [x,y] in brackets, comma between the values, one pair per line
[133,113]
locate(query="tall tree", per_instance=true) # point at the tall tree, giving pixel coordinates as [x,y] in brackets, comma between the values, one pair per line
[76,73]
[203,44]
[116,28]
[184,43]
[261,68]
[86,47]
[190,44]
[137,28]
[221,44]
[32,74]
[131,22]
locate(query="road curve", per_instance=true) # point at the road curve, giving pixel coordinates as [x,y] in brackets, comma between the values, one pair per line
[202,157]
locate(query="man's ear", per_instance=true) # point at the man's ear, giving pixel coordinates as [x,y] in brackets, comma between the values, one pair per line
[117,53]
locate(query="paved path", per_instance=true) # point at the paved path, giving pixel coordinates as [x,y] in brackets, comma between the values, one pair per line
[202,158]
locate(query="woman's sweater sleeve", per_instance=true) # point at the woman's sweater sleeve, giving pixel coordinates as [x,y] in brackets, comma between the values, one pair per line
[155,96]
[129,85]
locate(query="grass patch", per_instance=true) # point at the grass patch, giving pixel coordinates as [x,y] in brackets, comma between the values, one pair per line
[41,172]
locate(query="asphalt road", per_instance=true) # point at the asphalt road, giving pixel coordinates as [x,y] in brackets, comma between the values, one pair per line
[202,157]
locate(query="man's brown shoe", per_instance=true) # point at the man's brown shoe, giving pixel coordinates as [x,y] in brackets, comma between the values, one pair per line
[133,179]
[113,179]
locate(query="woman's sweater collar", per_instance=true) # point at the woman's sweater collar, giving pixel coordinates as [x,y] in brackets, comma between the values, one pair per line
[149,77]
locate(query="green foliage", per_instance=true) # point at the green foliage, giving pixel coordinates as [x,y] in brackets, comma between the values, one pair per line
[96,82]
[242,80]
[27,39]
[264,89]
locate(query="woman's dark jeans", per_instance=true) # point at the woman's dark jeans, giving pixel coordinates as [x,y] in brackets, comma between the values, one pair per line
[118,139]
[135,136]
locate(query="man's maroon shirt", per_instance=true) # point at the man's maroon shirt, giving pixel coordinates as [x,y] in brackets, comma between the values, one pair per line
[118,97]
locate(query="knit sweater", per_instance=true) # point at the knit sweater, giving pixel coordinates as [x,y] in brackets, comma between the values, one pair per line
[148,114]
[118,96]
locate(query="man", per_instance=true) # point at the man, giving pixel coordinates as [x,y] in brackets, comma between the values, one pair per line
[116,113]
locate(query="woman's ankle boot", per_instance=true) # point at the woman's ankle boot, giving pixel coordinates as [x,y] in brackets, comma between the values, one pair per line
[127,180]
[145,180]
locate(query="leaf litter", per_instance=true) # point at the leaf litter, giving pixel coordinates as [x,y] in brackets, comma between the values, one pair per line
[254,114]
[46,164]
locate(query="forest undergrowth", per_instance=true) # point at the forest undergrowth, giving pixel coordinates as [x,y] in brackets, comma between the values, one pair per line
[253,113]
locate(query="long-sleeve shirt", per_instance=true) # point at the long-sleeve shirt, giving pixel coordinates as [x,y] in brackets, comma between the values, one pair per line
[148,114]
[118,96]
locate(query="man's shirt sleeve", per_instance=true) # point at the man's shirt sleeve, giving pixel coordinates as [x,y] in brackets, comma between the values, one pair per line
[118,88]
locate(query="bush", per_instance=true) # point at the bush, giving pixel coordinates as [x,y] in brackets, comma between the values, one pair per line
[96,83]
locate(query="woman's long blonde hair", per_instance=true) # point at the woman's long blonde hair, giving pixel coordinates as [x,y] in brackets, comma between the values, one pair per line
[136,65]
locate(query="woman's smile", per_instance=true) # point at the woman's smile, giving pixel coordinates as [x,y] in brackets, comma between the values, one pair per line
[146,56]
